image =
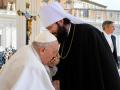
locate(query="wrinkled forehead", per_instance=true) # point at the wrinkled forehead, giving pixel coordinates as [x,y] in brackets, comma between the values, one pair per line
[55,43]
[54,47]
[50,26]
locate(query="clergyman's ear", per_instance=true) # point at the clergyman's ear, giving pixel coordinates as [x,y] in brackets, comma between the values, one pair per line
[41,50]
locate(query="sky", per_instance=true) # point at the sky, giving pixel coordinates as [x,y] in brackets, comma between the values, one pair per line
[111,4]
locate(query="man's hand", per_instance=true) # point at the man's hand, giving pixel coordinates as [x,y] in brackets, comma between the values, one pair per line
[56,84]
[54,61]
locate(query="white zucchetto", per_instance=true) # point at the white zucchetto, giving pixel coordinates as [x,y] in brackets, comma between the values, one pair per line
[51,13]
[45,37]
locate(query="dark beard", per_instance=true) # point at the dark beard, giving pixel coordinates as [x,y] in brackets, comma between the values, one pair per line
[61,34]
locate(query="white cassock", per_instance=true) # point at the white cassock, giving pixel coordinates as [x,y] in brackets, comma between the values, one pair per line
[24,71]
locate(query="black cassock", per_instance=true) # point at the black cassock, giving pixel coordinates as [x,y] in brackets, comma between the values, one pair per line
[89,64]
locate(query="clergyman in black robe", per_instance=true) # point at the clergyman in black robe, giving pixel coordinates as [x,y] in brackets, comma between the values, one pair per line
[86,61]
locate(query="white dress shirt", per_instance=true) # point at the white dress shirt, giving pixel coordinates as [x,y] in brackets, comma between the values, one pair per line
[109,40]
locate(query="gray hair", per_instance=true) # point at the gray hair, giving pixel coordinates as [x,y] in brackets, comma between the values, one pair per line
[42,45]
[106,23]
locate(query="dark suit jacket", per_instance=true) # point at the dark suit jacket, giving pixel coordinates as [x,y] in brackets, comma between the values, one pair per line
[115,49]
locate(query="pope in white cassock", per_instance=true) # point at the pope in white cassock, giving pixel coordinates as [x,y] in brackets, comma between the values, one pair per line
[26,68]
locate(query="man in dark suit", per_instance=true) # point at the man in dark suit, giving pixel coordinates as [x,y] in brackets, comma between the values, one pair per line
[108,29]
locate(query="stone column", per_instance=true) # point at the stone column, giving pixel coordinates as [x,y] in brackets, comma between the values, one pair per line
[34,9]
[21,24]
